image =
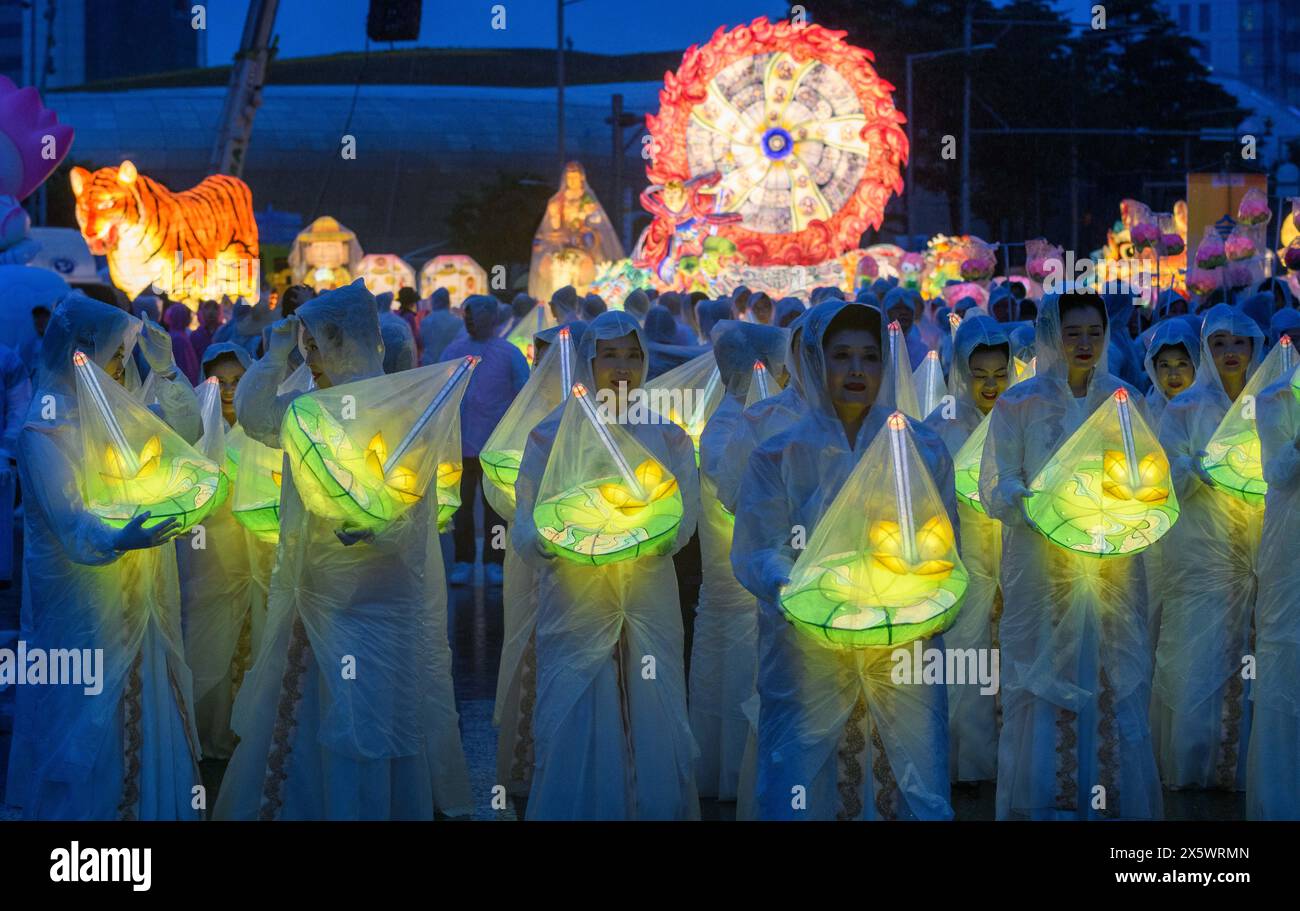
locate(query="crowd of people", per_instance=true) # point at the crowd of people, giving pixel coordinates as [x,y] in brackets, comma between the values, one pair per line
[632,689]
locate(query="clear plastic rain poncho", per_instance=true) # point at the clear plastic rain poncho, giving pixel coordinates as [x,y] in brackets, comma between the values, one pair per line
[760,421]
[318,741]
[900,366]
[1232,452]
[929,383]
[1075,664]
[501,455]
[1200,706]
[123,745]
[724,647]
[1164,334]
[607,744]
[1273,760]
[832,721]
[972,714]
[689,394]
[224,576]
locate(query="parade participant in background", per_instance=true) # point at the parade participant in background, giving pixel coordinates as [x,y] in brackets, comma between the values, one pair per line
[209,323]
[500,374]
[1285,322]
[385,744]
[399,341]
[127,751]
[822,707]
[723,654]
[609,745]
[787,309]
[1173,353]
[31,349]
[565,304]
[224,582]
[593,305]
[177,319]
[980,374]
[637,305]
[438,328]
[1075,661]
[1273,759]
[407,300]
[1201,709]
[900,307]
[517,671]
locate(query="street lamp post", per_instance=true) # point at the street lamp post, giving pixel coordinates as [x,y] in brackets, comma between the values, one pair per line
[911,148]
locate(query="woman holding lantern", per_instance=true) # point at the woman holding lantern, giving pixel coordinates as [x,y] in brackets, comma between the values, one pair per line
[838,738]
[348,710]
[980,374]
[1201,713]
[124,746]
[612,738]
[1075,663]
[1273,761]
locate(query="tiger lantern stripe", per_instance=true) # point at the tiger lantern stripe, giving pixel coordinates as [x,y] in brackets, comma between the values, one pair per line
[197,244]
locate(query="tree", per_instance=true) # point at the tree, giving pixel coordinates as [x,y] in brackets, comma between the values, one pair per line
[495,222]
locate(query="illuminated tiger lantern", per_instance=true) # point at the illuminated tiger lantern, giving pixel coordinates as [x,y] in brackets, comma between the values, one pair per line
[197,244]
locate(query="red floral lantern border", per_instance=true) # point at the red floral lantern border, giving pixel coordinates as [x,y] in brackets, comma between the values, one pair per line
[820,240]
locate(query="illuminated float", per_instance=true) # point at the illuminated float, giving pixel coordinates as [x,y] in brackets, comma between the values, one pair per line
[385,272]
[461,275]
[574,238]
[882,566]
[325,255]
[1145,247]
[197,244]
[780,139]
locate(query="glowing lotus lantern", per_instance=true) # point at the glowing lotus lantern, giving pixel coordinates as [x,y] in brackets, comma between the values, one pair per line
[966,466]
[882,566]
[593,507]
[143,466]
[692,392]
[1232,456]
[929,383]
[504,450]
[385,272]
[1106,492]
[368,485]
[255,500]
[461,275]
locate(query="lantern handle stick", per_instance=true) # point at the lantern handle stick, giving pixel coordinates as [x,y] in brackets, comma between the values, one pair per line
[902,484]
[566,362]
[82,364]
[760,377]
[933,373]
[462,370]
[629,477]
[1126,431]
[697,416]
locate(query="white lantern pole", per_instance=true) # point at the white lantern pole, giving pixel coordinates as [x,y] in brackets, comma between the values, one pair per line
[462,371]
[1126,431]
[588,409]
[902,484]
[87,373]
[566,361]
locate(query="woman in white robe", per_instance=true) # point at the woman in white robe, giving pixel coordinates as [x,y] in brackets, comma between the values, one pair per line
[315,742]
[130,750]
[612,737]
[981,344]
[837,738]
[1201,693]
[1075,663]
[1273,760]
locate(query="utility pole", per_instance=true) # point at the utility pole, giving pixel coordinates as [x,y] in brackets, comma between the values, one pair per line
[244,92]
[559,82]
[965,125]
[619,119]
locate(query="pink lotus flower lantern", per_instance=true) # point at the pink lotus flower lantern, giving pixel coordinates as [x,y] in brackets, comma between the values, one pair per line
[1145,234]
[1238,247]
[1210,254]
[32,141]
[1201,281]
[1253,209]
